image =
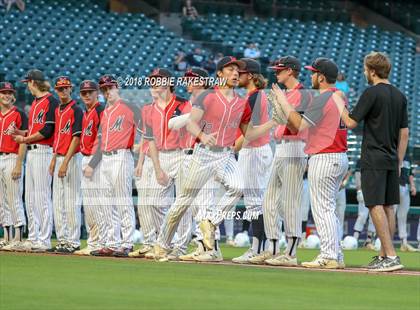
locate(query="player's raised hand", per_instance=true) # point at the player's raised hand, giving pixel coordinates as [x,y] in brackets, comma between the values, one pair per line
[413,190]
[278,94]
[209,140]
[62,171]
[88,172]
[19,139]
[162,178]
[17,172]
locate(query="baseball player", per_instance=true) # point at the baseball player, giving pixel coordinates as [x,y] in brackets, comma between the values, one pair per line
[306,207]
[255,156]
[407,188]
[89,145]
[341,202]
[65,167]
[385,137]
[39,137]
[118,124]
[326,145]
[363,213]
[215,117]
[11,162]
[283,196]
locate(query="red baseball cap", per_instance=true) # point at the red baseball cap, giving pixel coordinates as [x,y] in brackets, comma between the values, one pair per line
[7,86]
[107,80]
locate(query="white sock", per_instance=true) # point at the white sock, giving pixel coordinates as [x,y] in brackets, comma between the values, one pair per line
[273,246]
[356,235]
[404,241]
[392,257]
[292,243]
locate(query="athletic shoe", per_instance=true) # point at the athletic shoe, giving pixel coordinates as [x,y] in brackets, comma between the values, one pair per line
[282,260]
[11,246]
[208,231]
[123,252]
[406,247]
[210,256]
[55,248]
[24,246]
[67,249]
[369,246]
[159,254]
[244,258]
[260,259]
[140,253]
[230,241]
[38,247]
[175,254]
[83,252]
[191,256]
[103,252]
[388,264]
[323,263]
[376,260]
[3,243]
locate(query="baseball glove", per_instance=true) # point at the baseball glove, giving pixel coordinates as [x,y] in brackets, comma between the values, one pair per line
[278,114]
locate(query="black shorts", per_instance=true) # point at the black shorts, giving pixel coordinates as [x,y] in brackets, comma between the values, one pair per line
[380,187]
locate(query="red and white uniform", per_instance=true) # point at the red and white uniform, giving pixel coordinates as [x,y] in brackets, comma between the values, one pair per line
[11,206]
[66,191]
[118,123]
[328,164]
[38,181]
[171,156]
[222,117]
[89,144]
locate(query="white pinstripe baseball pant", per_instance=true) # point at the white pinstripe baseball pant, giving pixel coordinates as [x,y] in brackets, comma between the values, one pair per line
[91,206]
[341,203]
[255,163]
[284,192]
[38,200]
[401,211]
[67,201]
[204,165]
[325,174]
[116,200]
[363,215]
[306,204]
[11,193]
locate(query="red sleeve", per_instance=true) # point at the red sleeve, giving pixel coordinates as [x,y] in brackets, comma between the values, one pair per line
[246,116]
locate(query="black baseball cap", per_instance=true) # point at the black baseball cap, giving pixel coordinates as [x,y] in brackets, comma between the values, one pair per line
[88,85]
[324,66]
[7,86]
[35,75]
[62,81]
[229,60]
[107,80]
[251,66]
[286,62]
[161,72]
[196,72]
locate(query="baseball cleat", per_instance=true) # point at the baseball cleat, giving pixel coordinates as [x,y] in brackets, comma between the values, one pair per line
[208,231]
[230,241]
[38,247]
[244,258]
[323,263]
[191,256]
[11,246]
[83,252]
[175,254]
[140,253]
[123,252]
[24,246]
[210,256]
[260,259]
[3,243]
[406,247]
[387,265]
[103,252]
[67,249]
[159,254]
[282,260]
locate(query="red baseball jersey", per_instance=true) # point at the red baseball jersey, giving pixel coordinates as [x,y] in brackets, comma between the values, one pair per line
[12,119]
[221,116]
[327,133]
[89,141]
[156,123]
[186,140]
[68,125]
[300,99]
[42,118]
[257,101]
[118,125]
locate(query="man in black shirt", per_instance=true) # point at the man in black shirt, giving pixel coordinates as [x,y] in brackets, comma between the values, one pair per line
[385,136]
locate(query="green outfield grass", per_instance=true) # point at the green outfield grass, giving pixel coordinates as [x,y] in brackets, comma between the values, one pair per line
[68,282]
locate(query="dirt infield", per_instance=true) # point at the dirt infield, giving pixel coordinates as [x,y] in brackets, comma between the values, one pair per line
[229,263]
